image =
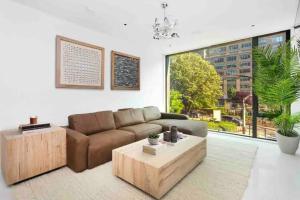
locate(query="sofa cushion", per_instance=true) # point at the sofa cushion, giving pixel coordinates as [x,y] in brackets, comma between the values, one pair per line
[122,109]
[85,123]
[151,113]
[143,130]
[90,123]
[129,117]
[186,126]
[102,144]
[106,120]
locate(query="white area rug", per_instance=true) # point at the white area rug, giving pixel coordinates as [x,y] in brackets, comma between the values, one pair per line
[223,175]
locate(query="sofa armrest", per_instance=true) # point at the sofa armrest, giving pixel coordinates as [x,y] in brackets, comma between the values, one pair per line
[173,116]
[77,150]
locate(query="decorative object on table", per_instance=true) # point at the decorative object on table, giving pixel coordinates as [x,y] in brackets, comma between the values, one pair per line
[152,149]
[280,90]
[174,131]
[29,127]
[180,135]
[167,136]
[125,71]
[78,64]
[33,119]
[166,28]
[153,139]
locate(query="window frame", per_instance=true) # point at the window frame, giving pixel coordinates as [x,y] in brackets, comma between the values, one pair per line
[254,39]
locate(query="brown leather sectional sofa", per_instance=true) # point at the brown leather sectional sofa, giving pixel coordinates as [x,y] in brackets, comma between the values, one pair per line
[91,137]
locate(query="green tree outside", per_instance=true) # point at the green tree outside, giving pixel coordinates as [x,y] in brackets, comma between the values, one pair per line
[231,92]
[176,104]
[196,80]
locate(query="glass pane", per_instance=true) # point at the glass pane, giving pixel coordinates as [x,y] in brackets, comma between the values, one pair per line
[231,110]
[265,126]
[222,93]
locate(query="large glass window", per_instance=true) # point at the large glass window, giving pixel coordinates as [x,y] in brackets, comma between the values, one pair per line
[222,85]
[265,126]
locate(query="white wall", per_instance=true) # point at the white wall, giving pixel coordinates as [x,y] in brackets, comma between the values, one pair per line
[27,70]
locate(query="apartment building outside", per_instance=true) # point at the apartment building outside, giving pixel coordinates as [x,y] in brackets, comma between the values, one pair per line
[233,62]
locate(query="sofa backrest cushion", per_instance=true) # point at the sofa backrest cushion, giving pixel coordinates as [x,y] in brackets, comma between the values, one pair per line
[121,109]
[90,123]
[151,113]
[85,123]
[106,120]
[129,117]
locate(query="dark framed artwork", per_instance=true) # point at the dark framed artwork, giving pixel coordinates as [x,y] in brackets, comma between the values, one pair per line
[125,71]
[78,64]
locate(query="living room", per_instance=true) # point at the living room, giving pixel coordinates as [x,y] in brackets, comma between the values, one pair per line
[149,99]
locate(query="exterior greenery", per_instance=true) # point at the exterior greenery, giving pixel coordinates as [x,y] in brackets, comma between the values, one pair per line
[221,126]
[277,83]
[286,124]
[176,104]
[194,81]
[231,92]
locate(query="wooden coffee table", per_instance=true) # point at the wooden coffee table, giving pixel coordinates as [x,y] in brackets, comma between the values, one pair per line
[157,174]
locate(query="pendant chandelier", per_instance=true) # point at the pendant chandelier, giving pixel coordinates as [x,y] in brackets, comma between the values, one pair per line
[164,30]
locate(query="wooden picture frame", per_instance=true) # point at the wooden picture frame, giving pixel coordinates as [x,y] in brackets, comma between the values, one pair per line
[128,79]
[78,64]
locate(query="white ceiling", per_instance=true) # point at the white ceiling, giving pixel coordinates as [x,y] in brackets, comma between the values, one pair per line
[201,22]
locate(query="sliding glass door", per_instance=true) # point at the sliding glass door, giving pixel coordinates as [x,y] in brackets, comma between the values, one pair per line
[214,84]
